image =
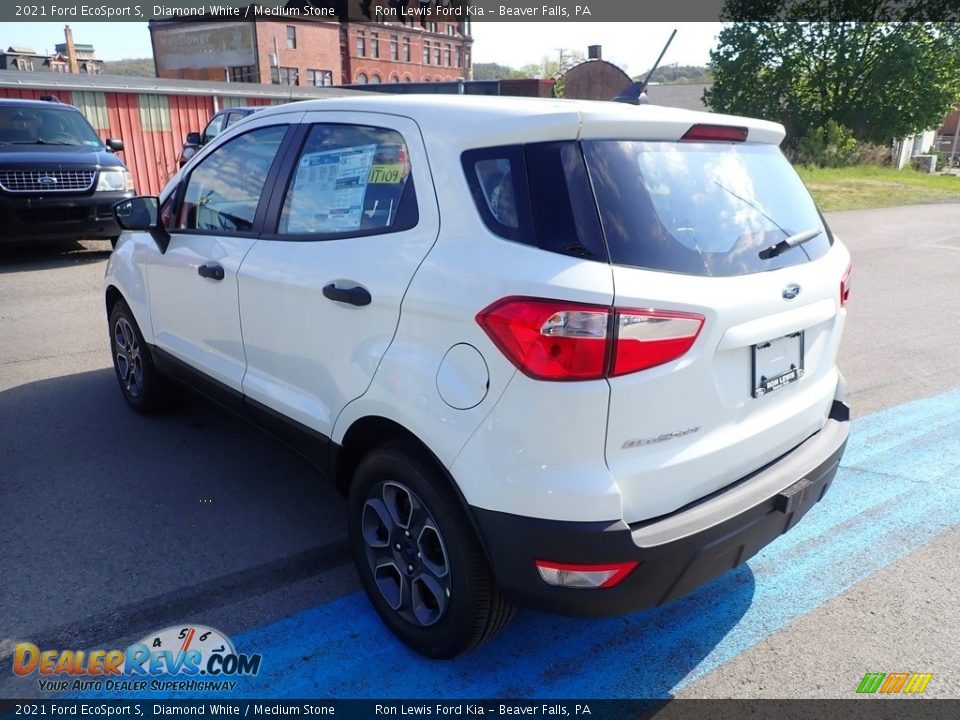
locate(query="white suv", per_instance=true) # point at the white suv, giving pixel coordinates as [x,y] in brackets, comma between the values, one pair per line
[567,355]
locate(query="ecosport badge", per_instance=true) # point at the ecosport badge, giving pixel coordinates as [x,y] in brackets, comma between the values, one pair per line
[641,442]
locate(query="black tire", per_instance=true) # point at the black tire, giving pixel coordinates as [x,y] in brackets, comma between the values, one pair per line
[142,385]
[406,591]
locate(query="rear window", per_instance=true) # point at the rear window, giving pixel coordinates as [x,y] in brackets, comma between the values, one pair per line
[701,208]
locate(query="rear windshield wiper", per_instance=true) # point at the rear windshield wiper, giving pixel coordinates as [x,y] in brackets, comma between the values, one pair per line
[781,247]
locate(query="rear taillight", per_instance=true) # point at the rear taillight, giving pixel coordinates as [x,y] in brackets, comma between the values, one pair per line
[845,286]
[715,133]
[556,340]
[647,338]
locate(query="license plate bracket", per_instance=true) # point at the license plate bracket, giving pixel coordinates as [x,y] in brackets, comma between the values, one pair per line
[776,363]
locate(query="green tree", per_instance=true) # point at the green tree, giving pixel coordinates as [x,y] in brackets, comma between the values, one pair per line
[141,67]
[880,80]
[495,71]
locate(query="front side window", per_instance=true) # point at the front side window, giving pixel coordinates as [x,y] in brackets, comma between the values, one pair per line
[349,180]
[223,191]
[701,208]
[213,128]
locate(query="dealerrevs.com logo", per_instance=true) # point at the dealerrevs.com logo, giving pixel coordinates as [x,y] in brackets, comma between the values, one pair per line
[185,658]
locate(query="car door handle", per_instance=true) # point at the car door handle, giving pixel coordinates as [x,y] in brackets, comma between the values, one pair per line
[357,295]
[214,272]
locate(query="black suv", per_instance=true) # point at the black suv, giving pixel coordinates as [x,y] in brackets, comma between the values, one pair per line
[58,179]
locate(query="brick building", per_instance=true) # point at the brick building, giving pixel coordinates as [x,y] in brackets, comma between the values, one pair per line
[305,52]
[69,57]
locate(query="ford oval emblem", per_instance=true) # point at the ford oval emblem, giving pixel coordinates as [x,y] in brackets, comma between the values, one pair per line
[47,180]
[791,291]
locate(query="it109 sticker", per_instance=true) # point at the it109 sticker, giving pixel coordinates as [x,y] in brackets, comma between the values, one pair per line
[184,658]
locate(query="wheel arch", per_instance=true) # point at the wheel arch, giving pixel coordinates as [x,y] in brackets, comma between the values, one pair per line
[366,434]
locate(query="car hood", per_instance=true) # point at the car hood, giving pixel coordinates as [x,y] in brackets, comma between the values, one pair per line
[54,156]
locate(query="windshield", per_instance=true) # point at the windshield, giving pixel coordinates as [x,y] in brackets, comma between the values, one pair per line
[701,208]
[45,126]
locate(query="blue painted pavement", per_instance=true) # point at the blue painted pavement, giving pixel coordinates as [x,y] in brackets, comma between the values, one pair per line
[897,489]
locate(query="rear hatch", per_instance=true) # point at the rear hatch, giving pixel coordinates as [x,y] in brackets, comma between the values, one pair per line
[696,232]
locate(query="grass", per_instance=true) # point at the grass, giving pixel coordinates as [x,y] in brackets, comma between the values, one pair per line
[868,186]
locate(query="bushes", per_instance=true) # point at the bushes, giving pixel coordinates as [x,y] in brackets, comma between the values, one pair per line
[833,145]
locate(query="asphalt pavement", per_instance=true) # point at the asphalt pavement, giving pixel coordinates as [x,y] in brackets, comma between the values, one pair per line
[115,525]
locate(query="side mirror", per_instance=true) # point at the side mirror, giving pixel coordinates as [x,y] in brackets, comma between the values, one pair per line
[115,144]
[142,213]
[193,138]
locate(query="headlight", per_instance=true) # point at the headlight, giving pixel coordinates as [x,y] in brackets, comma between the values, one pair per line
[114,180]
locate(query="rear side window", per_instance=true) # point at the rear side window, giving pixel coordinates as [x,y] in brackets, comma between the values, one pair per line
[349,180]
[701,208]
[538,194]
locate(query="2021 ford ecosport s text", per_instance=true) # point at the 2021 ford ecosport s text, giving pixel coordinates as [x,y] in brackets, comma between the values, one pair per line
[575,356]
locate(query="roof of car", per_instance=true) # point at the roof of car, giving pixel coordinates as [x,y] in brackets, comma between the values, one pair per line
[22,102]
[456,119]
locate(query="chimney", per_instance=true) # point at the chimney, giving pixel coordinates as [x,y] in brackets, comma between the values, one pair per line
[594,52]
[71,52]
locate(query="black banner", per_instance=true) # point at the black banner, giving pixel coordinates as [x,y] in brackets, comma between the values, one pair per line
[477,10]
[859,709]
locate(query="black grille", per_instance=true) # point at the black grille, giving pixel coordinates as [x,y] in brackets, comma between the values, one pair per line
[46,181]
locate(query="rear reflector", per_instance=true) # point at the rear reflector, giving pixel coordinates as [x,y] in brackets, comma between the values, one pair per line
[584,576]
[845,285]
[715,133]
[557,340]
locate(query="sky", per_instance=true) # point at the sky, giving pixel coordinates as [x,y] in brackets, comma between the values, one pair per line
[632,46]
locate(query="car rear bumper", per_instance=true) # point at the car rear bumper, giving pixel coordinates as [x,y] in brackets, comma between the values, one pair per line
[60,218]
[677,553]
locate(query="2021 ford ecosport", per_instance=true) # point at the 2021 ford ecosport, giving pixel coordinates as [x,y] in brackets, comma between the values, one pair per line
[574,356]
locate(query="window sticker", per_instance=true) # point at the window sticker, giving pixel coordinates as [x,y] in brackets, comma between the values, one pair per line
[328,190]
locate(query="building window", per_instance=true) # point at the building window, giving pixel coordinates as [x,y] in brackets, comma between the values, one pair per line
[243,73]
[467,58]
[459,57]
[426,53]
[374,45]
[451,29]
[446,56]
[362,79]
[318,78]
[284,76]
[394,48]
[436,55]
[394,78]
[375,79]
[291,37]
[361,43]
[406,49]
[432,26]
